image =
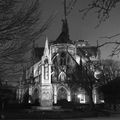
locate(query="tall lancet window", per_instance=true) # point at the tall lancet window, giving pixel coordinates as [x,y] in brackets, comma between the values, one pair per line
[46,69]
[62,76]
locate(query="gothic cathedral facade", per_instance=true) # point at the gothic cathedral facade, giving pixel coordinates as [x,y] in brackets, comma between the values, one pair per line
[54,75]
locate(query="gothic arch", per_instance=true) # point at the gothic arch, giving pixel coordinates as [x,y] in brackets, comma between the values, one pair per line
[63,92]
[35,95]
[26,96]
[63,86]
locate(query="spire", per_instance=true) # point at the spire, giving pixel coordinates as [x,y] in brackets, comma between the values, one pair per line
[65,29]
[65,12]
[46,50]
[64,35]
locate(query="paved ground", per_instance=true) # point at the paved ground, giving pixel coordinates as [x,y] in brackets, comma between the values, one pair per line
[28,114]
[47,115]
[114,117]
[97,118]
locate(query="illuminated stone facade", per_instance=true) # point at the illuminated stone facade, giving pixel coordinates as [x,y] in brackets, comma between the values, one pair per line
[52,74]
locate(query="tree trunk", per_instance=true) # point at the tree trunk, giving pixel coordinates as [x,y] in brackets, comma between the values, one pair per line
[92,105]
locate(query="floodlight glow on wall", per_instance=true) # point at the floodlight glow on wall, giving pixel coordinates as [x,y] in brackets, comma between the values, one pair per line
[81,98]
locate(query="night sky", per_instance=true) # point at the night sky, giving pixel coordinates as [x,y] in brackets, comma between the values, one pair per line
[79,28]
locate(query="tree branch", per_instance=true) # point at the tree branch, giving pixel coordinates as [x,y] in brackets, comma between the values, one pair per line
[109,37]
[106,43]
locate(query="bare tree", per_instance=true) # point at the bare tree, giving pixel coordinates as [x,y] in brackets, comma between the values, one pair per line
[103,10]
[20,25]
[111,69]
[83,76]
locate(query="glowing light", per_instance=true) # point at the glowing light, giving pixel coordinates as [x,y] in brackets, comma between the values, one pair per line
[55,99]
[77,59]
[95,99]
[95,95]
[97,74]
[81,97]
[102,101]
[69,98]
[30,91]
[55,94]
[29,101]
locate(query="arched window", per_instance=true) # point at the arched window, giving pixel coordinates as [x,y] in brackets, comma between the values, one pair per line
[46,69]
[62,76]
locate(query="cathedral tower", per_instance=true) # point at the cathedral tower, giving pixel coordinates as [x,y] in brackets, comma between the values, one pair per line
[46,86]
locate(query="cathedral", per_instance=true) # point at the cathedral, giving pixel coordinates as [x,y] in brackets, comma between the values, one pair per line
[58,71]
[48,80]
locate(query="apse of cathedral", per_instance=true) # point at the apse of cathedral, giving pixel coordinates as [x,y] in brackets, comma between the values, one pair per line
[58,71]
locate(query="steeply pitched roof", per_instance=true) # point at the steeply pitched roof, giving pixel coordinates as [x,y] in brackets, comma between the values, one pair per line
[64,35]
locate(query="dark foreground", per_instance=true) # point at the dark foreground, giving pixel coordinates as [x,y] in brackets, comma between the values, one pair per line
[29,114]
[62,113]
